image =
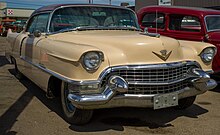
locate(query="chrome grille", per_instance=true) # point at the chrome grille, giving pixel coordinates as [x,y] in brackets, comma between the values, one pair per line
[160,75]
[156,89]
[153,79]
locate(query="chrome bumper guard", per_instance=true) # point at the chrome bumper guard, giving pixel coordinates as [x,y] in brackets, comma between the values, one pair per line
[200,82]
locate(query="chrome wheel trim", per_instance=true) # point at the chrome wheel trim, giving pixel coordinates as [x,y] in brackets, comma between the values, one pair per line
[69,106]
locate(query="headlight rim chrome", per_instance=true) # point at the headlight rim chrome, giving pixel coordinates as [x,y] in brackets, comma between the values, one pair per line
[203,52]
[101,59]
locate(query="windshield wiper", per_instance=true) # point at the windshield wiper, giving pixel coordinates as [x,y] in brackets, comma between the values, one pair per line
[124,28]
[81,28]
[78,28]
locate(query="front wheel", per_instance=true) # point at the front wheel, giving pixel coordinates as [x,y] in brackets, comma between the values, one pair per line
[72,114]
[186,102]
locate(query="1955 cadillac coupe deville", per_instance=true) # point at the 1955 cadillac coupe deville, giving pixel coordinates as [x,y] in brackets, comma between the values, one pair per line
[96,56]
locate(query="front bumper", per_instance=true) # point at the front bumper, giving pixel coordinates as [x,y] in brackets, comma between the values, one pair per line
[113,95]
[125,100]
[110,97]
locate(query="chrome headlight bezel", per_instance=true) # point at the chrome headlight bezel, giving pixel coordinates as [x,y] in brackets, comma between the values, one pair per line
[208,54]
[92,60]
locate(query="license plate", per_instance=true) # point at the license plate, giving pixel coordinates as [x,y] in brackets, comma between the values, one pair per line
[165,100]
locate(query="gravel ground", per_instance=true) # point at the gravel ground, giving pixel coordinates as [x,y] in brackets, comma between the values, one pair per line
[25,110]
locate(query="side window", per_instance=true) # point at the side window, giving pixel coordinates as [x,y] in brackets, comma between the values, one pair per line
[32,24]
[154,20]
[38,22]
[42,21]
[184,23]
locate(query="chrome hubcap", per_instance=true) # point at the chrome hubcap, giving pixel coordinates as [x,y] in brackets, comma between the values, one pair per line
[69,106]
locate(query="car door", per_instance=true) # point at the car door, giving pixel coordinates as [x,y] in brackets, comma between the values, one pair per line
[30,46]
[185,27]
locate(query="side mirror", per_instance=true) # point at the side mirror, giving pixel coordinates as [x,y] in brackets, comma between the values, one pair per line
[37,33]
[24,27]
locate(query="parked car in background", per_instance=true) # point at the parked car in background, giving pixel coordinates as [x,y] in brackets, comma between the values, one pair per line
[7,24]
[14,25]
[185,23]
[19,25]
[96,56]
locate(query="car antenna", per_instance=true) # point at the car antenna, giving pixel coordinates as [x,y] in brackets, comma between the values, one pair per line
[151,34]
[156,20]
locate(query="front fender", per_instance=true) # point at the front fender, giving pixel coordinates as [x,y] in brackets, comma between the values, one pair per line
[64,58]
[191,51]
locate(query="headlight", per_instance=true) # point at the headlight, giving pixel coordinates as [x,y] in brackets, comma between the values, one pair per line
[92,60]
[208,54]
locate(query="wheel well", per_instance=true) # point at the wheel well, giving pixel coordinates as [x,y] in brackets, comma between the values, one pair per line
[13,60]
[54,87]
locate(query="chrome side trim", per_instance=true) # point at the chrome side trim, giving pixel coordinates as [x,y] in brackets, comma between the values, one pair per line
[57,75]
[61,57]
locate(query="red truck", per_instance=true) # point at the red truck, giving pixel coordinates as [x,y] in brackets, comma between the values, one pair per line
[184,23]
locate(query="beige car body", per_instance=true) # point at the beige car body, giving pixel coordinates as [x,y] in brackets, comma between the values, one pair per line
[107,64]
[61,53]
[137,69]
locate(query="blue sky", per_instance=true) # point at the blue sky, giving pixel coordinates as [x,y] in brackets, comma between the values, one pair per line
[38,3]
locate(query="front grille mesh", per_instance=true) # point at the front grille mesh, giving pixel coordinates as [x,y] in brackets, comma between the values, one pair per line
[156,89]
[139,78]
[159,75]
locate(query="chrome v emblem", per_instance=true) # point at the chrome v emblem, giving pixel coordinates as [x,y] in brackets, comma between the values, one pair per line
[164,55]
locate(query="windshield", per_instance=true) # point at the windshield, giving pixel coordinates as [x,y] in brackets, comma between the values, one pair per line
[213,22]
[97,17]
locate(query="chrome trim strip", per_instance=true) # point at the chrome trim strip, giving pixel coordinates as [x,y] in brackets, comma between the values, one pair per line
[164,83]
[209,71]
[57,75]
[157,66]
[61,57]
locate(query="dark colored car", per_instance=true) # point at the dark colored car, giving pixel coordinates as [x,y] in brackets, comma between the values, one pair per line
[184,23]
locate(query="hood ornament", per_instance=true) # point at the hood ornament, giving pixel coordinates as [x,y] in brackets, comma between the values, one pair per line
[164,55]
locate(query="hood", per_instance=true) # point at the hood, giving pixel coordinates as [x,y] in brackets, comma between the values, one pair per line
[214,37]
[125,47]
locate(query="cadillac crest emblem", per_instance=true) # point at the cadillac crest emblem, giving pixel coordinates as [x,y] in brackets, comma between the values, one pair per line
[164,55]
